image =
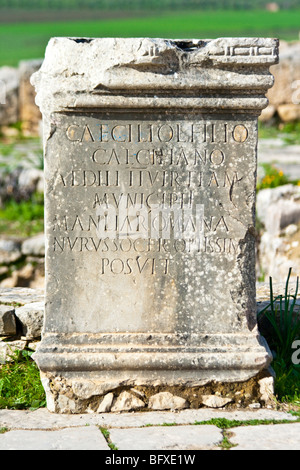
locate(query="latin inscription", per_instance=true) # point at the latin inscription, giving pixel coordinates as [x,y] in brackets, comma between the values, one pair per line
[134,177]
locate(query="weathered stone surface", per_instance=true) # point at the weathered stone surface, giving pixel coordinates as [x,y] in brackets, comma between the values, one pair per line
[10,244]
[106,403]
[279,211]
[267,389]
[9,257]
[80,438]
[127,401]
[267,113]
[31,180]
[168,438]
[65,404]
[266,437]
[289,112]
[30,114]
[34,245]
[8,349]
[31,318]
[3,352]
[7,320]
[287,73]
[44,419]
[214,401]
[267,200]
[167,401]
[150,165]
[9,90]
[21,295]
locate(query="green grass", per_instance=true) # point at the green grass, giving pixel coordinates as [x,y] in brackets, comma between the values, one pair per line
[25,218]
[283,330]
[106,435]
[288,132]
[20,384]
[28,40]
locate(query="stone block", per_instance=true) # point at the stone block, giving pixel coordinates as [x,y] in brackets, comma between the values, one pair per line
[205,437]
[34,245]
[126,402]
[30,114]
[289,112]
[150,179]
[9,91]
[7,320]
[31,318]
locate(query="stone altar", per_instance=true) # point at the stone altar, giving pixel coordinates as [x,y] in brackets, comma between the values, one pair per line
[150,169]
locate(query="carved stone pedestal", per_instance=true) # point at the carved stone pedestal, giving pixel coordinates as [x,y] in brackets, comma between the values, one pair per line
[150,168]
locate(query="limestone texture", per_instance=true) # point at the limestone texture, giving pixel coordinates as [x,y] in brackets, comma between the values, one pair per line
[7,320]
[167,401]
[150,176]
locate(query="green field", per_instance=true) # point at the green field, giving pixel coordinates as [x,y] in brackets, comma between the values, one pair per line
[20,41]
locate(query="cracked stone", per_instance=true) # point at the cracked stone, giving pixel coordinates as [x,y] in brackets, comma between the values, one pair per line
[213,401]
[7,320]
[126,401]
[167,401]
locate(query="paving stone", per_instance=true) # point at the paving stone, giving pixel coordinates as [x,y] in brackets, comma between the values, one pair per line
[21,295]
[267,437]
[200,437]
[79,438]
[43,419]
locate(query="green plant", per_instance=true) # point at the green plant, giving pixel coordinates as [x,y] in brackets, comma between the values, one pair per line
[106,435]
[285,324]
[272,178]
[25,217]
[283,328]
[26,40]
[288,132]
[20,384]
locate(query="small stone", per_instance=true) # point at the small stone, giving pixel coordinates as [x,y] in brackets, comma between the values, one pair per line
[267,113]
[66,404]
[137,392]
[21,295]
[49,396]
[10,245]
[34,245]
[126,402]
[9,109]
[106,403]
[9,257]
[289,112]
[167,401]
[33,345]
[7,320]
[213,401]
[266,388]
[3,352]
[31,317]
[255,406]
[7,349]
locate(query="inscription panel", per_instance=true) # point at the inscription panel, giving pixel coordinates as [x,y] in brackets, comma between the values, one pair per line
[148,216]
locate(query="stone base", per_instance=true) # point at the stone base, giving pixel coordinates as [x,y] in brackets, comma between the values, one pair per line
[80,396]
[118,372]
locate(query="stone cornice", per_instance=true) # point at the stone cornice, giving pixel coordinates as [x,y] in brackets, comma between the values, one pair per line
[223,74]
